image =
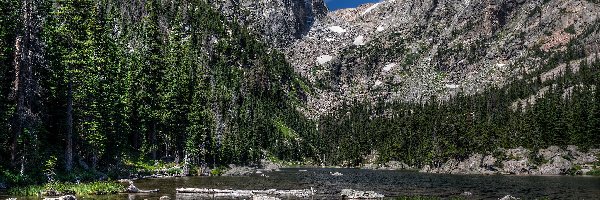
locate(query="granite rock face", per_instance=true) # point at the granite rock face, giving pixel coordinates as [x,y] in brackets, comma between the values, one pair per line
[278,22]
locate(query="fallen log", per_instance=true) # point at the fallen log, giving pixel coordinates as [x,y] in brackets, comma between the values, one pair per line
[246,193]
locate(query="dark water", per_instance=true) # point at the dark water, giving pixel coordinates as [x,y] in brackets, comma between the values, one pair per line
[389,183]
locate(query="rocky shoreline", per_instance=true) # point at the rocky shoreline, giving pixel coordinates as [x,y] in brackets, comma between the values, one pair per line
[553,160]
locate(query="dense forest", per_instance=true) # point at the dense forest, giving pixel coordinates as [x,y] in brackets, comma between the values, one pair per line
[92,85]
[88,86]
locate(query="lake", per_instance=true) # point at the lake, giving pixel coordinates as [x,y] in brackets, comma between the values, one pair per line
[388,183]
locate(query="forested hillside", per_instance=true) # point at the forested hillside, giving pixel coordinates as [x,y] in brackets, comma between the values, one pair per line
[91,85]
[567,113]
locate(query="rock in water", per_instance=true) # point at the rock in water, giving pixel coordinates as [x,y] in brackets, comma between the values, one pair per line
[467,194]
[132,188]
[66,197]
[262,197]
[354,194]
[337,174]
[508,197]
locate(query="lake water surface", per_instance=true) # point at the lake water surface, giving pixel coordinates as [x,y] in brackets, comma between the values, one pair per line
[388,183]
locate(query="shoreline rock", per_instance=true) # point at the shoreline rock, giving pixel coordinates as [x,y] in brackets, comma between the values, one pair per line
[66,197]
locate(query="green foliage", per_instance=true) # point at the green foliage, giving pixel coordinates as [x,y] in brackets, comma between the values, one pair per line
[13,179]
[571,29]
[594,172]
[94,188]
[537,159]
[575,170]
[217,171]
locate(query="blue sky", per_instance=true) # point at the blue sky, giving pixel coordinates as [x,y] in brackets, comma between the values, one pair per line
[337,4]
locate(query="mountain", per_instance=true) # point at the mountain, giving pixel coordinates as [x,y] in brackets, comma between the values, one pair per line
[434,82]
[412,50]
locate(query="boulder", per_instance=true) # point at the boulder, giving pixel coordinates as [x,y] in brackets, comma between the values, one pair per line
[268,165]
[517,167]
[558,165]
[165,198]
[337,174]
[551,152]
[580,158]
[132,189]
[239,171]
[396,165]
[508,197]
[355,194]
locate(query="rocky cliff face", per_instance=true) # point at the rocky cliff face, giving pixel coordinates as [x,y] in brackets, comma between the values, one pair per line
[279,22]
[413,50]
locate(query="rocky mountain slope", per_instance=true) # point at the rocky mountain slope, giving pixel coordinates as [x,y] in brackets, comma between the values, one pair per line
[413,50]
[278,22]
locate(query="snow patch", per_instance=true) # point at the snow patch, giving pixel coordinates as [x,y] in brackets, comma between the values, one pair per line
[358,41]
[389,67]
[501,65]
[378,83]
[324,59]
[380,28]
[370,8]
[337,29]
[329,39]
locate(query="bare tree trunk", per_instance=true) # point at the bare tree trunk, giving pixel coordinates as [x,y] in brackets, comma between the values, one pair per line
[18,94]
[22,74]
[69,150]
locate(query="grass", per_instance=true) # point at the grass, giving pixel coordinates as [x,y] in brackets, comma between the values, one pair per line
[51,189]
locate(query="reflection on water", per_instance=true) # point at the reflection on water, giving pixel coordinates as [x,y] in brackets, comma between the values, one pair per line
[389,183]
